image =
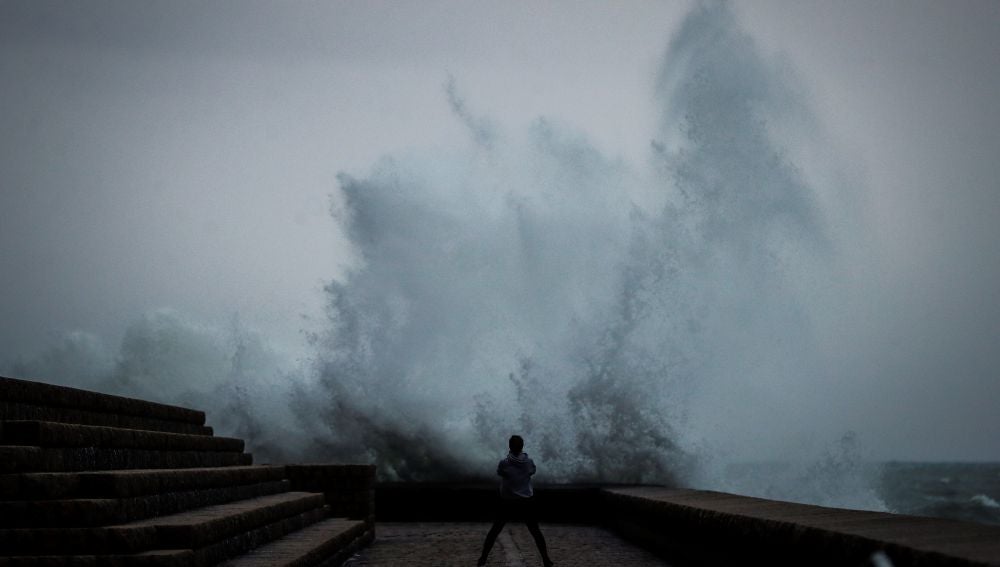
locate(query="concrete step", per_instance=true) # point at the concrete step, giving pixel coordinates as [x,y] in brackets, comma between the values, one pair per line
[131,483]
[18,459]
[204,557]
[242,543]
[53,434]
[331,539]
[158,558]
[220,531]
[24,411]
[38,393]
[201,527]
[88,512]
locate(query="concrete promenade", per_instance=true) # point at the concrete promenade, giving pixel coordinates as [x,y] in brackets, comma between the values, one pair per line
[432,544]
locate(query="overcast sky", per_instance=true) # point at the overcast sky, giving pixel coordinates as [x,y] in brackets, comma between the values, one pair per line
[184,155]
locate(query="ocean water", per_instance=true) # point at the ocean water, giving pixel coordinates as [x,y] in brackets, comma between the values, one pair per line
[966,491]
[958,491]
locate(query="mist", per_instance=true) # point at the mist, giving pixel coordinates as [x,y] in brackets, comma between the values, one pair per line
[730,283]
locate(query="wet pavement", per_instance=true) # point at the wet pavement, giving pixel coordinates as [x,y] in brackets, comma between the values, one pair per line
[458,544]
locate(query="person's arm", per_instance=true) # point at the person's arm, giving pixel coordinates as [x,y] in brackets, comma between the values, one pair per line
[532,469]
[500,469]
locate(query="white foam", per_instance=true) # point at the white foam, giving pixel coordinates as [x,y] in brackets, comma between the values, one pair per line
[880,559]
[985,500]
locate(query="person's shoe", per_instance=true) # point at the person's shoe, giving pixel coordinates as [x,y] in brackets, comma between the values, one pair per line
[481,562]
[547,562]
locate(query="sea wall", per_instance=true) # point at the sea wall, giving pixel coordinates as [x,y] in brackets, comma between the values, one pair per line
[349,489]
[476,502]
[698,527]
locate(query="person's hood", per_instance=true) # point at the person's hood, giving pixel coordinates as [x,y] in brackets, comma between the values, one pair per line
[519,458]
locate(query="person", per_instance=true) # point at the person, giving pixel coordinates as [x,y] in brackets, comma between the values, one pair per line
[516,499]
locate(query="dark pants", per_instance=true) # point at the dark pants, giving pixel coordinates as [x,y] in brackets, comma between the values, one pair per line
[516,510]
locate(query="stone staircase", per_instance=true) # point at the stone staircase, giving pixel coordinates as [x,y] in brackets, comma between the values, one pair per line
[93,479]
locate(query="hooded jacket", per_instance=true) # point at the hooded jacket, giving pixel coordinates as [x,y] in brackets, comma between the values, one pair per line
[515,476]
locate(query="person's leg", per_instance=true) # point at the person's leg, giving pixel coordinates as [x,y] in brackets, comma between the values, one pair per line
[539,541]
[491,538]
[531,521]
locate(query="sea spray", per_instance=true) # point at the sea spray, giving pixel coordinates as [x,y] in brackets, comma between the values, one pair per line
[649,322]
[631,322]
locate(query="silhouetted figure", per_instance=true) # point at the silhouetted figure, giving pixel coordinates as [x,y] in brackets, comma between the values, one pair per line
[516,502]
